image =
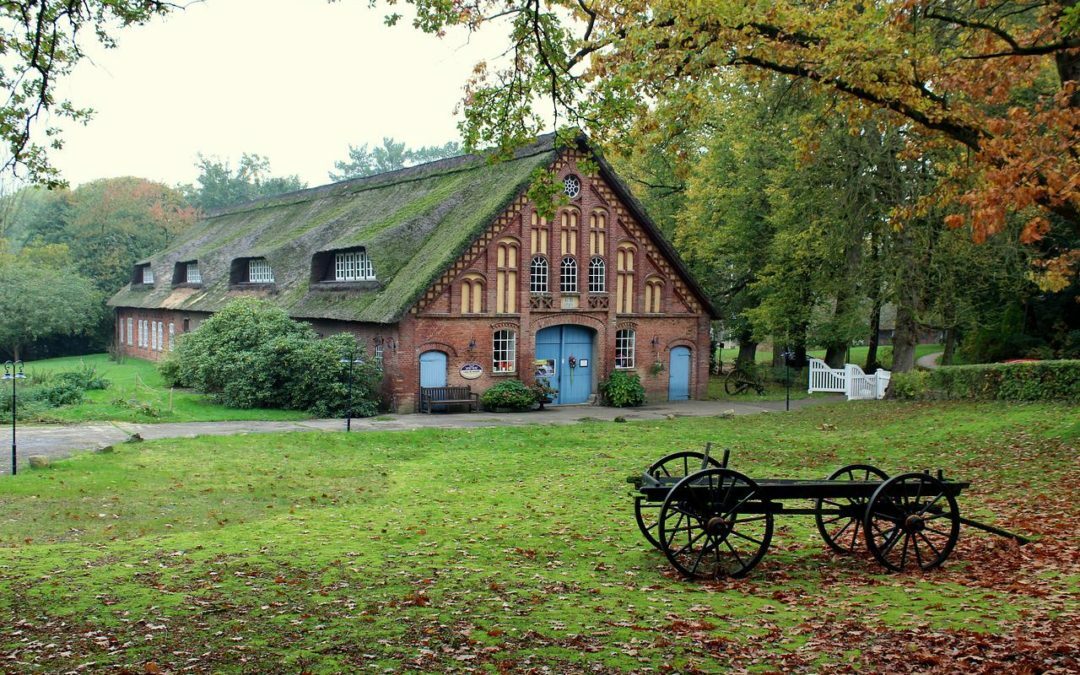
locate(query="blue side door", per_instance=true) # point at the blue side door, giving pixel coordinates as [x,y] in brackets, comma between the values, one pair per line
[433,369]
[557,345]
[679,379]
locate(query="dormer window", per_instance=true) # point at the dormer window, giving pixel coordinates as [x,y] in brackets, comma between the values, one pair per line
[353,266]
[251,271]
[259,272]
[187,272]
[144,274]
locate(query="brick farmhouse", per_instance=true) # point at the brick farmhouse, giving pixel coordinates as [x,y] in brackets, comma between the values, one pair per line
[448,275]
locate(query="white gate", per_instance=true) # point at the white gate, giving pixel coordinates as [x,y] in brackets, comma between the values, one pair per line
[849,380]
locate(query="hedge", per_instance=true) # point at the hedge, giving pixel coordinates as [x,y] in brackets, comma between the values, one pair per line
[1038,381]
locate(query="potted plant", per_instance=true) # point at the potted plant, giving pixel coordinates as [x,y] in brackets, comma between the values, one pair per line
[543,391]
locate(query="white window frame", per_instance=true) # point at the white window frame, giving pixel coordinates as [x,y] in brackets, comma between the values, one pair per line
[379,356]
[172,335]
[353,266]
[192,274]
[147,274]
[504,345]
[130,331]
[597,275]
[568,275]
[153,336]
[538,275]
[120,337]
[625,348]
[259,271]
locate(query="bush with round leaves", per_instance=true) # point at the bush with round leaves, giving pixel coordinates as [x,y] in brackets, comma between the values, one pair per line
[508,395]
[623,390]
[252,355]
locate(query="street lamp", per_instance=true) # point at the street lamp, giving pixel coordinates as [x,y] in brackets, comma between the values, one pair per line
[352,361]
[789,356]
[13,370]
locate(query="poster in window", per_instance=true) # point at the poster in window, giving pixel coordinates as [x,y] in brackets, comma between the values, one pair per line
[544,367]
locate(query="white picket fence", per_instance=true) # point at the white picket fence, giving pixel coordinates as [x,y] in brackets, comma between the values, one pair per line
[849,380]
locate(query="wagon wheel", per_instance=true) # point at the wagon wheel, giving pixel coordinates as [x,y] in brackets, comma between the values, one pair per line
[678,465]
[912,520]
[715,523]
[736,382]
[841,531]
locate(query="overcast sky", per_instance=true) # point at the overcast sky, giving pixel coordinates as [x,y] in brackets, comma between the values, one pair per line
[295,80]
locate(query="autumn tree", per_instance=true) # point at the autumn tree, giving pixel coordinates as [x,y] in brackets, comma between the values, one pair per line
[997,80]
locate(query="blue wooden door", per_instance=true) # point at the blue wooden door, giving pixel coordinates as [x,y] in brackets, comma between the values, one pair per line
[679,374]
[433,369]
[557,345]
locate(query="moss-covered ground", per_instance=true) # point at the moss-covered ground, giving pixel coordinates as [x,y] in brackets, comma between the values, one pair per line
[515,549]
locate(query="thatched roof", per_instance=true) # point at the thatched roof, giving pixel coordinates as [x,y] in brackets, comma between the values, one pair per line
[413,223]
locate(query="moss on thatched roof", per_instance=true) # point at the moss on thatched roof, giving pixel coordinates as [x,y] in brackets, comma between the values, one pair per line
[414,223]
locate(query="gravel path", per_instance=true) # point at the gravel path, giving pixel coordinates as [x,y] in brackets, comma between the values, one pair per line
[930,361]
[56,442]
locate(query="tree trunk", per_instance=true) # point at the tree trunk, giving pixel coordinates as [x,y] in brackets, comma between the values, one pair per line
[747,352]
[950,347]
[905,338]
[875,330]
[836,355]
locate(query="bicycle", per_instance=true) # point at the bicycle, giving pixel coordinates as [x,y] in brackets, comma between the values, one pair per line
[740,380]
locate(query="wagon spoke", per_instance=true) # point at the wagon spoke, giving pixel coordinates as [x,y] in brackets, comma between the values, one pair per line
[927,527]
[837,533]
[832,520]
[735,508]
[931,503]
[915,547]
[937,553]
[737,556]
[691,543]
[701,554]
[855,533]
[903,550]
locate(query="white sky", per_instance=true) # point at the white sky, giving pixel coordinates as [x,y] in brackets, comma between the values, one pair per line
[294,80]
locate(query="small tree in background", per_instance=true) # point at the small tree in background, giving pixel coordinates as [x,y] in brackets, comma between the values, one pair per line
[252,355]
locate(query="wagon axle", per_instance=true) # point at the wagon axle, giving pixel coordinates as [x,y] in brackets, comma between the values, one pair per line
[711,521]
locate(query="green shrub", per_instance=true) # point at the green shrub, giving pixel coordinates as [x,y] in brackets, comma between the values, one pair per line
[85,378]
[1039,381]
[252,355]
[508,395]
[623,390]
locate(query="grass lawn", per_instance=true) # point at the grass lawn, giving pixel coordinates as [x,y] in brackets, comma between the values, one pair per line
[857,355]
[515,548]
[138,394]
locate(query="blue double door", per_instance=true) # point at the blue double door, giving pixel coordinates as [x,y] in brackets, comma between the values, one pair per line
[564,354]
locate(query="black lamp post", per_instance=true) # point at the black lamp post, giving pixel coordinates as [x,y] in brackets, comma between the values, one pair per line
[352,361]
[13,370]
[789,356]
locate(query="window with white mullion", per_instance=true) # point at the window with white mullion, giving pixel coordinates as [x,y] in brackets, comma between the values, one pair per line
[259,271]
[597,275]
[538,275]
[504,351]
[193,275]
[568,282]
[624,348]
[353,266]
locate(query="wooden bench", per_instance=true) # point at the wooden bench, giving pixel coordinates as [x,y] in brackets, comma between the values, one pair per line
[447,396]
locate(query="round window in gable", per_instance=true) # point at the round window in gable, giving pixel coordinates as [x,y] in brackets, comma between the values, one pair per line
[572,186]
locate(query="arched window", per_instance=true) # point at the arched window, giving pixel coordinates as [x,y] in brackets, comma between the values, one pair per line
[504,351]
[472,294]
[506,276]
[568,275]
[624,348]
[568,231]
[654,291]
[539,235]
[624,282]
[598,232]
[538,275]
[597,275]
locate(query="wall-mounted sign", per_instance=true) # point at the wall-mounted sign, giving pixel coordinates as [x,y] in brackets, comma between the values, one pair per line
[471,370]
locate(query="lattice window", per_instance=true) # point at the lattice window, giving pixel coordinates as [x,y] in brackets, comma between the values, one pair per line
[538,275]
[625,340]
[654,291]
[120,337]
[130,332]
[353,266]
[568,275]
[624,281]
[153,336]
[568,231]
[192,274]
[598,232]
[172,335]
[147,274]
[259,271]
[504,352]
[506,277]
[472,294]
[538,232]
[379,355]
[597,275]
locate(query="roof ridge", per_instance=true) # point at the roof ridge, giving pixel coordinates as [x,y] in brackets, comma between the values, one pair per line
[446,165]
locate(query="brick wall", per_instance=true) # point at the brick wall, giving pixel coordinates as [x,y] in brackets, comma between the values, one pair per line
[147,347]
